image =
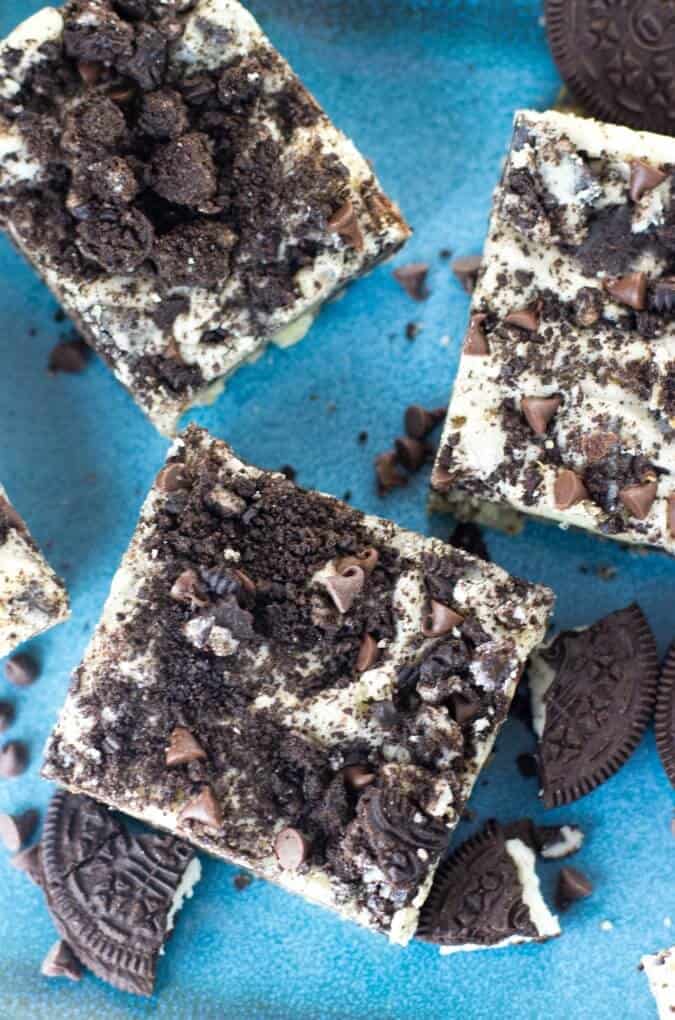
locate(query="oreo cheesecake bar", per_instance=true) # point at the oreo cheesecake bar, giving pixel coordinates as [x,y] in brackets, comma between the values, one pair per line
[32,598]
[293,686]
[660,971]
[564,404]
[178,189]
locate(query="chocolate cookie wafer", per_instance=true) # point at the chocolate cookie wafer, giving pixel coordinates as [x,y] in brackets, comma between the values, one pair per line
[112,894]
[593,692]
[665,715]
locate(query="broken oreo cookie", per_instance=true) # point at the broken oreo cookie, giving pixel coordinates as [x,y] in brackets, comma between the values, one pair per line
[665,715]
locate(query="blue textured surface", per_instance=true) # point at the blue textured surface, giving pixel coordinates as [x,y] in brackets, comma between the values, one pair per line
[427,89]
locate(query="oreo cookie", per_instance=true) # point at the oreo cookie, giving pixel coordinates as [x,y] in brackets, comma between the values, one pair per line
[595,704]
[665,715]
[110,892]
[477,896]
[617,60]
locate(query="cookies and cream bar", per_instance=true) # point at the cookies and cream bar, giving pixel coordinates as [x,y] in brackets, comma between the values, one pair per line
[178,188]
[293,686]
[32,598]
[660,971]
[564,403]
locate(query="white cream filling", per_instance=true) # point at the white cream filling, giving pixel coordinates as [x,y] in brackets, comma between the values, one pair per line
[184,891]
[570,840]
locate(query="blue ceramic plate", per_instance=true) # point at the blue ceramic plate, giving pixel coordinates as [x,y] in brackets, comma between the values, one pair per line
[427,89]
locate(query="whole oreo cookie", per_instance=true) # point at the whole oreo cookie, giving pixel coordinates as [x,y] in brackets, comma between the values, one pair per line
[597,698]
[618,58]
[110,891]
[665,715]
[477,897]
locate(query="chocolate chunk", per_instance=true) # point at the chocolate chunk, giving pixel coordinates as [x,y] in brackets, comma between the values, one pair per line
[61,961]
[638,499]
[539,411]
[568,489]
[441,620]
[466,269]
[524,318]
[15,830]
[358,777]
[173,478]
[163,115]
[292,848]
[413,279]
[345,224]
[183,748]
[344,588]
[629,290]
[572,885]
[22,670]
[368,654]
[30,863]
[475,342]
[6,715]
[665,715]
[110,891]
[367,560]
[411,453]
[612,59]
[118,242]
[242,880]
[203,808]
[469,537]
[477,897]
[194,254]
[188,588]
[643,178]
[184,171]
[419,422]
[70,356]
[388,475]
[13,759]
[598,705]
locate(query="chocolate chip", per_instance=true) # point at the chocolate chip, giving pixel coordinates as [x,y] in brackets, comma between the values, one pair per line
[15,830]
[411,453]
[173,478]
[441,620]
[13,759]
[343,588]
[6,715]
[572,885]
[29,862]
[203,808]
[638,499]
[188,588]
[629,290]
[345,224]
[367,560]
[524,318]
[163,115]
[119,244]
[183,748]
[413,279]
[242,880]
[527,766]
[368,654]
[70,356]
[61,961]
[539,411]
[184,171]
[357,777]
[89,73]
[568,489]
[291,848]
[22,670]
[475,342]
[419,422]
[388,475]
[643,177]
[466,269]
[412,329]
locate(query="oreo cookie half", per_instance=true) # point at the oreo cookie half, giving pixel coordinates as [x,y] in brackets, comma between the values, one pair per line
[486,895]
[617,60]
[112,894]
[593,694]
[665,715]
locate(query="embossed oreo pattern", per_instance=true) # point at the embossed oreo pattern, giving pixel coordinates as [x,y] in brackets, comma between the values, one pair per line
[618,58]
[476,898]
[109,891]
[665,715]
[599,704]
